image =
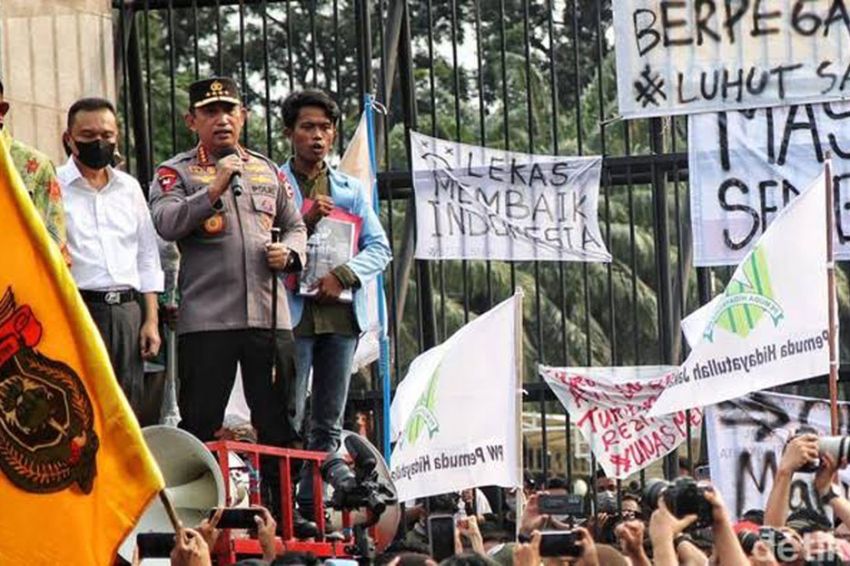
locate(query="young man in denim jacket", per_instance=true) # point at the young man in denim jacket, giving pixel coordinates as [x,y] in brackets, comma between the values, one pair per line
[326,328]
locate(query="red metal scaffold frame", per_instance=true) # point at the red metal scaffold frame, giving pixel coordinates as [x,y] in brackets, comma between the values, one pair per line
[229,549]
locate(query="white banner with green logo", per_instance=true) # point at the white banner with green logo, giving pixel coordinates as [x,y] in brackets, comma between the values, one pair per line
[769,326]
[454,414]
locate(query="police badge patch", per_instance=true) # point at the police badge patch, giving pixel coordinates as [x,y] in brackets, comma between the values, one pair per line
[167,178]
[47,437]
[214,224]
[287,186]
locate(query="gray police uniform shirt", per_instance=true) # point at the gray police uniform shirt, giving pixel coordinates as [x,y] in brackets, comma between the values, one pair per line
[224,280]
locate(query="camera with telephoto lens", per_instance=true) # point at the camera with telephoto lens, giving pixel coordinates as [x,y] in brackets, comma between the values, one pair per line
[361,487]
[682,497]
[838,447]
[778,542]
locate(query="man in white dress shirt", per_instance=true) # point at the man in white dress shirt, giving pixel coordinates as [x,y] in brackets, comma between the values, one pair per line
[112,242]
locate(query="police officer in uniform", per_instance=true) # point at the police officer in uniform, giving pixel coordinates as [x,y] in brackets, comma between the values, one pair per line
[219,202]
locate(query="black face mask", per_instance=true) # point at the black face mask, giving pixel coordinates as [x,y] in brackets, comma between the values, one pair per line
[95,154]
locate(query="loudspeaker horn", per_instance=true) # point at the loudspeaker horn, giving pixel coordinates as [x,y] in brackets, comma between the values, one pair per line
[193,481]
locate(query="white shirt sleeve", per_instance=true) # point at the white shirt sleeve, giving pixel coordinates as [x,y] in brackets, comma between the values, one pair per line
[151,277]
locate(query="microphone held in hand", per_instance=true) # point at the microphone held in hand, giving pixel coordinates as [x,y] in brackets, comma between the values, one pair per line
[236,178]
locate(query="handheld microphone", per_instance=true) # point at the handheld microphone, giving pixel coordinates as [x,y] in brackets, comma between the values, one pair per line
[236,178]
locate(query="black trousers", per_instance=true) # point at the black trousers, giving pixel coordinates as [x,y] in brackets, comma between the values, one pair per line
[207,369]
[120,326]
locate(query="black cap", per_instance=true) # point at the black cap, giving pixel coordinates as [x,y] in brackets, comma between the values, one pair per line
[216,89]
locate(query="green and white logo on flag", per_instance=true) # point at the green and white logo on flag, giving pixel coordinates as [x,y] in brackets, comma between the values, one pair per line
[769,327]
[423,417]
[746,301]
[454,415]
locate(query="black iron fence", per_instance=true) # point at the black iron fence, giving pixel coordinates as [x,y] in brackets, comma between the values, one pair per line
[527,75]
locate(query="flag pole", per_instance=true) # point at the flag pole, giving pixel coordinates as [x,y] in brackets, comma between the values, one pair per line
[518,345]
[830,287]
[169,509]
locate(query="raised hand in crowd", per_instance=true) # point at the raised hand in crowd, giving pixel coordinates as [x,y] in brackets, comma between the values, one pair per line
[468,529]
[828,492]
[663,529]
[208,528]
[630,535]
[532,519]
[266,528]
[528,553]
[190,549]
[588,555]
[727,549]
[800,451]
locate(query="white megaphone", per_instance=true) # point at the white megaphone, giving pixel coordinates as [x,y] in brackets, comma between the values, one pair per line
[387,524]
[193,482]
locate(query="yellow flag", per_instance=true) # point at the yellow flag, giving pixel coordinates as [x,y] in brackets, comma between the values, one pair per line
[75,473]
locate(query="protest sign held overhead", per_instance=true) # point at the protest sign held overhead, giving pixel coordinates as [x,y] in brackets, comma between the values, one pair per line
[746,166]
[701,55]
[746,438]
[455,413]
[480,203]
[609,406]
[770,325]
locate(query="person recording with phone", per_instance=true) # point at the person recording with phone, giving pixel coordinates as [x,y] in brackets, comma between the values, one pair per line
[219,201]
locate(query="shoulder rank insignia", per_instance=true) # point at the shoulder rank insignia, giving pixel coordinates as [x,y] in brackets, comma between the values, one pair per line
[47,437]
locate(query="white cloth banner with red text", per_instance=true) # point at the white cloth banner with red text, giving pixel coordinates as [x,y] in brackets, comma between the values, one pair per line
[609,406]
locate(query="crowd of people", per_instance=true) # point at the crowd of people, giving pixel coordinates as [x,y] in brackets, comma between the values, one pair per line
[661,523]
[242,225]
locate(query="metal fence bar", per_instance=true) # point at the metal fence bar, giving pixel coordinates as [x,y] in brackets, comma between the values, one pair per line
[439,76]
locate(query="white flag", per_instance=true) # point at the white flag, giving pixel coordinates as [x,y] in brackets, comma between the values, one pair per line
[461,431]
[357,162]
[770,326]
[609,406]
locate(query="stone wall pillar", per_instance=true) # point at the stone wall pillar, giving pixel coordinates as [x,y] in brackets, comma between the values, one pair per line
[53,52]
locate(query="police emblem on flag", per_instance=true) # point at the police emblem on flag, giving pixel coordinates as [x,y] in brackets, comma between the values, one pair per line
[47,437]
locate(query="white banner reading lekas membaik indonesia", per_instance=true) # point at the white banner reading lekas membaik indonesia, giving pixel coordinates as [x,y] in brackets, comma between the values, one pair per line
[479,203]
[455,413]
[706,55]
[609,406]
[770,325]
[744,167]
[746,437]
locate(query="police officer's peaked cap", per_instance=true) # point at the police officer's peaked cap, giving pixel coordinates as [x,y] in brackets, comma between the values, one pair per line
[216,89]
